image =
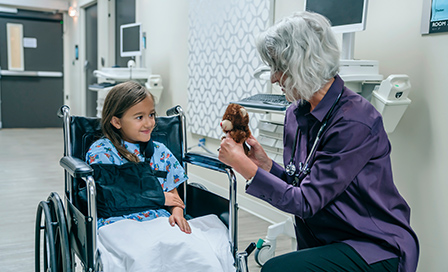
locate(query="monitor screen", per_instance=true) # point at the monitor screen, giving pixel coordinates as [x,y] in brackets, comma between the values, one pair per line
[130,40]
[345,15]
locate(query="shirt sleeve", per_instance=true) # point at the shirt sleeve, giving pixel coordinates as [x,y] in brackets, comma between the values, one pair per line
[101,152]
[346,148]
[164,160]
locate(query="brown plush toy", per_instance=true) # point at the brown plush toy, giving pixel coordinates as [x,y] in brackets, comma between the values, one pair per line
[235,121]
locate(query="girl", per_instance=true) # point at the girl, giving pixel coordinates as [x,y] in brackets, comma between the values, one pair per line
[128,118]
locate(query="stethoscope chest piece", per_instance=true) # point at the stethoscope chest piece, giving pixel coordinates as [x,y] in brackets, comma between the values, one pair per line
[290,169]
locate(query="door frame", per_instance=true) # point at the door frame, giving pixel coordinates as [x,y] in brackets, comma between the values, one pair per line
[82,54]
[106,48]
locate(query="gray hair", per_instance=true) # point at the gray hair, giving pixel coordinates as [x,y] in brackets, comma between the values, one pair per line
[304,49]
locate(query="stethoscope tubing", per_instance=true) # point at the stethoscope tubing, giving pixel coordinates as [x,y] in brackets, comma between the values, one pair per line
[303,167]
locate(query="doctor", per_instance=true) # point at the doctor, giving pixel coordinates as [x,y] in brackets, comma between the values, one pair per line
[337,180]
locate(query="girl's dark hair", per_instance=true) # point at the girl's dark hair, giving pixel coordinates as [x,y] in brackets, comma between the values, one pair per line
[121,98]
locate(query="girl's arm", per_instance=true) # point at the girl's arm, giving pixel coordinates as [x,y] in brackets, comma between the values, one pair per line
[176,208]
[172,199]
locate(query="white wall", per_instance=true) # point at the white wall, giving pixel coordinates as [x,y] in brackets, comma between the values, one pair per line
[419,143]
[166,26]
[393,38]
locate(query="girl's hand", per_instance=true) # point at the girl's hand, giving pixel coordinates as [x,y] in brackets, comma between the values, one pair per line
[177,217]
[258,155]
[172,199]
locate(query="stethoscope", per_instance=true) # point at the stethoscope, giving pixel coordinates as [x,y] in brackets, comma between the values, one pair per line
[304,168]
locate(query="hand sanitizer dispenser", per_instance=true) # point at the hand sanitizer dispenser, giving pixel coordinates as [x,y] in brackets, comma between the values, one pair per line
[395,87]
[391,99]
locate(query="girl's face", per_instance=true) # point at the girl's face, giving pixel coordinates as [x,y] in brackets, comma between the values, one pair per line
[137,122]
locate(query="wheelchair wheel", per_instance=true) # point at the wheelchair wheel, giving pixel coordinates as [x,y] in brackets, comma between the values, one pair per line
[56,250]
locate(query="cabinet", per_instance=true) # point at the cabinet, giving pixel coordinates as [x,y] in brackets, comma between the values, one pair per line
[271,139]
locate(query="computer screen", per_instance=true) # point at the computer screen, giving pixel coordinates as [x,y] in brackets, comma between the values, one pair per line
[130,40]
[345,15]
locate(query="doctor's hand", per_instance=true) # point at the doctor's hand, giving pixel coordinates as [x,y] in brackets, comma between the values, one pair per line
[232,154]
[258,155]
[177,218]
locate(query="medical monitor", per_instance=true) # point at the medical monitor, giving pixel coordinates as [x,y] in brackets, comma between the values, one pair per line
[345,15]
[131,40]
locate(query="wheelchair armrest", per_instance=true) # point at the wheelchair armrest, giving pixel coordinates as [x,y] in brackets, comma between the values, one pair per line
[206,161]
[76,167]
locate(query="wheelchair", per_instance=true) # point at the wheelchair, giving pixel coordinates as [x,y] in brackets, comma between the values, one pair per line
[66,231]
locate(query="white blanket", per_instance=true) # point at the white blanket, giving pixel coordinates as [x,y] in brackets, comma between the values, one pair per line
[154,245]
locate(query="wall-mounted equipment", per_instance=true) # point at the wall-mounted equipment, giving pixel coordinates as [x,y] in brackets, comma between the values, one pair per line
[346,17]
[391,99]
[131,40]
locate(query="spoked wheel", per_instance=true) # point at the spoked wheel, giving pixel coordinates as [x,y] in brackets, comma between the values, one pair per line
[50,219]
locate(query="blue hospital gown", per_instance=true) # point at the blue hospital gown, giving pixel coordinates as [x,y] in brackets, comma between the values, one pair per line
[103,151]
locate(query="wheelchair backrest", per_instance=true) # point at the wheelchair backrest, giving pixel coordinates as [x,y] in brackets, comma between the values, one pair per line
[83,132]
[86,130]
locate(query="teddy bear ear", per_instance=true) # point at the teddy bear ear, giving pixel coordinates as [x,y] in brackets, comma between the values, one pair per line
[243,112]
[226,125]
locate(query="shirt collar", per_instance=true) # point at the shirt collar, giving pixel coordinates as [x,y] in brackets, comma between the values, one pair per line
[325,104]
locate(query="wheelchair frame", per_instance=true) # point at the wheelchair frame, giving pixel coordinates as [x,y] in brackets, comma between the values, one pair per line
[69,233]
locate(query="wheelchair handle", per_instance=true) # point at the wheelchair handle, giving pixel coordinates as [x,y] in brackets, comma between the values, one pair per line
[63,109]
[174,110]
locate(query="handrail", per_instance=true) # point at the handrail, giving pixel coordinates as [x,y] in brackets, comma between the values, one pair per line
[31,73]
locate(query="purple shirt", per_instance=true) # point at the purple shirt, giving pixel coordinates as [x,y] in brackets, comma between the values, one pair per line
[349,196]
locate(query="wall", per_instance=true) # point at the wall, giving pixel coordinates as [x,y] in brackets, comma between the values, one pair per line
[418,144]
[166,27]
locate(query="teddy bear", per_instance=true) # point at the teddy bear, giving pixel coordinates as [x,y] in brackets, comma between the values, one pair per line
[235,122]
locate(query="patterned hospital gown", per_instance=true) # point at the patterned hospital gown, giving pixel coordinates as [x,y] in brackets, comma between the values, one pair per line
[103,151]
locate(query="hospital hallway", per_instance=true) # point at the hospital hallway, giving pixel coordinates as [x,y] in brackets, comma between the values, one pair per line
[29,171]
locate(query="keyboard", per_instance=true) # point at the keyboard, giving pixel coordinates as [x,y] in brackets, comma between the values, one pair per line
[265,101]
[102,85]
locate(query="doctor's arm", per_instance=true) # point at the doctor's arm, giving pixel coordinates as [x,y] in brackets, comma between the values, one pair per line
[335,166]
